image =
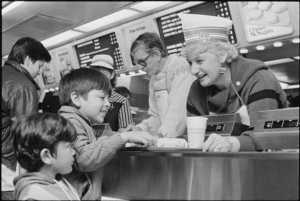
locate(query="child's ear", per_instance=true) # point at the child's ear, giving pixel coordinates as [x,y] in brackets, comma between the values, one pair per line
[46,156]
[75,99]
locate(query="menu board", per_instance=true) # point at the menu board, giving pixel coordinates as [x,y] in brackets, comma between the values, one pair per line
[170,26]
[106,44]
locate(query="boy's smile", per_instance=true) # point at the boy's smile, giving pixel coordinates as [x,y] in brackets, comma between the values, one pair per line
[95,105]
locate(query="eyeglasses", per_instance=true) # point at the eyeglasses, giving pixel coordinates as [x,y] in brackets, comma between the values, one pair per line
[143,62]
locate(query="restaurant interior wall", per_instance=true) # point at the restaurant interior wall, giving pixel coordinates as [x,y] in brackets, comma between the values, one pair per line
[140,82]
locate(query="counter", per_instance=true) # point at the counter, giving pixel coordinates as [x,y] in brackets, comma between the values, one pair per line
[184,174]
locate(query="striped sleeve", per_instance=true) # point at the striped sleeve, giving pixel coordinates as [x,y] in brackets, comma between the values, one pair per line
[263,92]
[124,116]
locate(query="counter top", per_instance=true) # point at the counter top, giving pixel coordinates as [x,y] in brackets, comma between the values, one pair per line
[184,174]
[177,152]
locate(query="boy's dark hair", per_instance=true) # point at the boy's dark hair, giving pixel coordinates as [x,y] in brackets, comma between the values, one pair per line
[36,132]
[82,81]
[149,41]
[123,91]
[28,47]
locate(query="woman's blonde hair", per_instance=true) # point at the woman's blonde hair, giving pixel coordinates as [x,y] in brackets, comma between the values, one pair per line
[216,47]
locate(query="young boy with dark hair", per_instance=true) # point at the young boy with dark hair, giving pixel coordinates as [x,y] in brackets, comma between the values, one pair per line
[84,95]
[43,146]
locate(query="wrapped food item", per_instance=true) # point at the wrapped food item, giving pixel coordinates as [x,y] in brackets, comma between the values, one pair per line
[172,143]
[279,7]
[252,5]
[264,5]
[270,17]
[254,15]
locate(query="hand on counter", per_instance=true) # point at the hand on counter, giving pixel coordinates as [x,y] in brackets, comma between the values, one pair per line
[135,128]
[172,143]
[141,138]
[217,143]
[128,128]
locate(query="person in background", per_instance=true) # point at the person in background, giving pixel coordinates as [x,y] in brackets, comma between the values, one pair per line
[50,100]
[84,95]
[124,92]
[127,94]
[226,82]
[19,98]
[168,87]
[45,163]
[119,115]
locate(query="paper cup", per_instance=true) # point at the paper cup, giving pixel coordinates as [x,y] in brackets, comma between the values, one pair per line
[196,127]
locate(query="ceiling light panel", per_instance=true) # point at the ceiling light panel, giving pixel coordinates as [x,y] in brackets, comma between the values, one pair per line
[149,5]
[243,51]
[277,44]
[296,40]
[67,35]
[109,19]
[260,47]
[11,6]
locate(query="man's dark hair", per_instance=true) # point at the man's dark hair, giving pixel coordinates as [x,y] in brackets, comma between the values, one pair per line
[149,41]
[29,47]
[123,91]
[36,132]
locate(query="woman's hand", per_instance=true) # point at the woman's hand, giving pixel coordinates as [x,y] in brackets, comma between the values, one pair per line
[217,143]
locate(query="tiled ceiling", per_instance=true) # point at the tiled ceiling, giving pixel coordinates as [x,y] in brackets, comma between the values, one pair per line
[47,18]
[44,19]
[37,26]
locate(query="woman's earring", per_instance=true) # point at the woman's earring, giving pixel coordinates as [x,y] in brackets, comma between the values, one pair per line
[222,69]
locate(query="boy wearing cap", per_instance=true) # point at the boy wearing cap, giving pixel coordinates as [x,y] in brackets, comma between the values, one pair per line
[226,82]
[168,86]
[118,116]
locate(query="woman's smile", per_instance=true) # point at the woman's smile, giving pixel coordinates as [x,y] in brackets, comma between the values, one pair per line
[201,76]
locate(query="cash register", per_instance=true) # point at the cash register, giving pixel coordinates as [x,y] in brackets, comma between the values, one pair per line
[225,125]
[277,129]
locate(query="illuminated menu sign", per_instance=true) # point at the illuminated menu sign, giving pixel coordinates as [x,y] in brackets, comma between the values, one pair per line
[170,26]
[106,44]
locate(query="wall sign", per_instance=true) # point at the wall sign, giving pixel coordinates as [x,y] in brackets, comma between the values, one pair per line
[170,26]
[132,32]
[64,62]
[265,19]
[106,44]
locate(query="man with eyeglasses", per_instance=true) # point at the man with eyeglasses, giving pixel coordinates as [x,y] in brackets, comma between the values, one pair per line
[168,87]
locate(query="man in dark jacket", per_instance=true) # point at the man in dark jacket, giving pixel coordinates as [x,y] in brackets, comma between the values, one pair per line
[19,98]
